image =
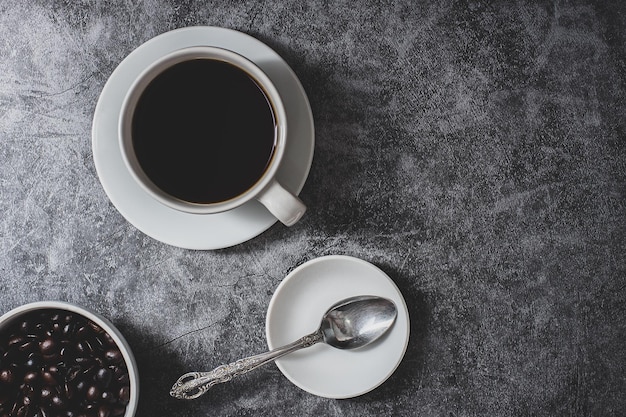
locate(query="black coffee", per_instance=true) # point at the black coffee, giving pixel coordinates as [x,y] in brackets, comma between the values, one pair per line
[203,131]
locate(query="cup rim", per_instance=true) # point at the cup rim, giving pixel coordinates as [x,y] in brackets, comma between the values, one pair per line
[157,67]
[104,323]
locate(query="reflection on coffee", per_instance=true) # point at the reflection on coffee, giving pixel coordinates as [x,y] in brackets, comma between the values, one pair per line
[203,131]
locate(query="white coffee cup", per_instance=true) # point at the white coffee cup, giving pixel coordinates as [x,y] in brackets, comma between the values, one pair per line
[284,205]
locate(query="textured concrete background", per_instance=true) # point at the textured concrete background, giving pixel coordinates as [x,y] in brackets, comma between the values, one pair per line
[476,152]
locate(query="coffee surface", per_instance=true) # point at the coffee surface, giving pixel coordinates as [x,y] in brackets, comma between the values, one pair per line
[203,131]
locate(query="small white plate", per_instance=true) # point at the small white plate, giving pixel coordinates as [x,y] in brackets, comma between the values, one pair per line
[296,309]
[193,231]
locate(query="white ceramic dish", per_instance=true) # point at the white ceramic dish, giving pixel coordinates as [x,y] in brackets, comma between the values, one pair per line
[297,308]
[133,375]
[186,230]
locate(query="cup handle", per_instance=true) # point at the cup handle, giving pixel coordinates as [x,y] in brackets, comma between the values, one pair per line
[285,206]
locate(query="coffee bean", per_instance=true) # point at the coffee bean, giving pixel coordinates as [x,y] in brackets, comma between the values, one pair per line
[84,361]
[56,327]
[46,393]
[108,397]
[26,327]
[6,376]
[109,339]
[113,356]
[81,386]
[81,348]
[34,361]
[68,330]
[28,346]
[48,346]
[72,372]
[104,411]
[99,343]
[57,402]
[89,346]
[94,327]
[31,378]
[16,406]
[93,393]
[83,332]
[39,329]
[68,390]
[103,377]
[52,358]
[50,378]
[123,379]
[16,340]
[22,411]
[124,395]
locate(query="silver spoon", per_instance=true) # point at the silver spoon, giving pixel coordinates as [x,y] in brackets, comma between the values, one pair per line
[349,324]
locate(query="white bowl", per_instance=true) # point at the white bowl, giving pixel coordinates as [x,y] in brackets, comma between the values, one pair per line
[105,324]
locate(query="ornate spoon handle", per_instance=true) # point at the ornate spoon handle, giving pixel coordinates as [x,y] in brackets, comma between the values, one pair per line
[194,384]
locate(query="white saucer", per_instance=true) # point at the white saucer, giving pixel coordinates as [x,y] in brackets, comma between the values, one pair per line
[296,309]
[174,227]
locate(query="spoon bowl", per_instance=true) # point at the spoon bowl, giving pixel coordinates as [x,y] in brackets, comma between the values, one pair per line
[357,321]
[349,324]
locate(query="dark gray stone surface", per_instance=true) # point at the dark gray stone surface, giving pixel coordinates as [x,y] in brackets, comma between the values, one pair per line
[475,151]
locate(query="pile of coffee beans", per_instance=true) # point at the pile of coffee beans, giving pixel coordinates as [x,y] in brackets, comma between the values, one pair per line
[58,363]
